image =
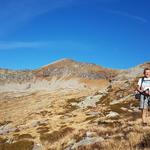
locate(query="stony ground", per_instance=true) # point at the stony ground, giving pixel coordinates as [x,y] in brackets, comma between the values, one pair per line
[102,119]
[71,113]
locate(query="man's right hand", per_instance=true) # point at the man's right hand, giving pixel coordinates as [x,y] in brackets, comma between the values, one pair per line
[140,89]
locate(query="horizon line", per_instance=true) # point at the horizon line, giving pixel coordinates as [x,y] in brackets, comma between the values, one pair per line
[61,59]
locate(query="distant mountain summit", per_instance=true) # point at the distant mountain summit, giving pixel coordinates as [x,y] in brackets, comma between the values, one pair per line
[70,68]
[60,61]
[61,68]
[64,74]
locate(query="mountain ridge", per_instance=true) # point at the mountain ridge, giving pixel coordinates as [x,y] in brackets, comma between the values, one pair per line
[67,73]
[63,64]
[71,60]
[60,74]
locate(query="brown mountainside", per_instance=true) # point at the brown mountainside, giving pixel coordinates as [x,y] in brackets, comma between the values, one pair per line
[64,67]
[68,105]
[65,72]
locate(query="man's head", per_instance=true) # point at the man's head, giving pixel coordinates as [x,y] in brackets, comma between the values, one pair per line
[147,72]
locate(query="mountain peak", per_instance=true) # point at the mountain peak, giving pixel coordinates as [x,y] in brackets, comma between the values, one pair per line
[63,60]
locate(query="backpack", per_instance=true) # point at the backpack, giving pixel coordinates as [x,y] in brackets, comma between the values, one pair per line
[137,93]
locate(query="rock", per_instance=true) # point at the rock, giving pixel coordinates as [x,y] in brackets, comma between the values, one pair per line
[71,142]
[92,113]
[89,101]
[112,114]
[92,100]
[114,102]
[85,141]
[129,110]
[7,128]
[33,123]
[120,100]
[91,134]
[124,109]
[135,109]
[37,146]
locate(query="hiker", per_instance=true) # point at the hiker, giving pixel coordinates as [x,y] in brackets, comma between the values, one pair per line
[144,90]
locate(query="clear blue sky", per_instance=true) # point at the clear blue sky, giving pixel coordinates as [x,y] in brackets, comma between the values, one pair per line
[110,33]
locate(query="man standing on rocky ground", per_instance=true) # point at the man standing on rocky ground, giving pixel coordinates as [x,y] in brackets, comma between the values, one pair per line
[144,89]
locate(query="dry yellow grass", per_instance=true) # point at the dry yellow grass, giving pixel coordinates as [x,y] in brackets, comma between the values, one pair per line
[49,118]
